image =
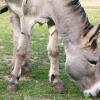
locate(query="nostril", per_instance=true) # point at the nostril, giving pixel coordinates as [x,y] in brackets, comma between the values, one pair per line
[98,93]
[90,95]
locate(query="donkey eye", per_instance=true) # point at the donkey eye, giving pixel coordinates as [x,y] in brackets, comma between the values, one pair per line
[92,62]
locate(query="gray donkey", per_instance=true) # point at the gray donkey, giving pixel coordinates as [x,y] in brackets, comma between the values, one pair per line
[69,20]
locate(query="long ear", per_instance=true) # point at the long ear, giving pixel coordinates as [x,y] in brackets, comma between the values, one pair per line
[92,35]
[3,9]
[94,32]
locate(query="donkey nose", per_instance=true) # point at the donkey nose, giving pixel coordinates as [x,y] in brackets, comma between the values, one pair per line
[98,93]
[93,91]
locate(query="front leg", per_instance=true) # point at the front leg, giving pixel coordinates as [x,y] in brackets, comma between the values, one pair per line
[53,55]
[15,20]
[21,42]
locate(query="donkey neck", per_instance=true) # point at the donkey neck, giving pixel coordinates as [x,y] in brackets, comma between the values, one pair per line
[71,20]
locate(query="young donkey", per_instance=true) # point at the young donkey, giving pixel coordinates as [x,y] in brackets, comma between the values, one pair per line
[78,35]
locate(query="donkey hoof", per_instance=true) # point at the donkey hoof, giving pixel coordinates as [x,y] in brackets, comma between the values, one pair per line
[12,87]
[58,87]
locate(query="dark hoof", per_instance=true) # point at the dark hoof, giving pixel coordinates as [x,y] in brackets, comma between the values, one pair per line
[12,87]
[58,86]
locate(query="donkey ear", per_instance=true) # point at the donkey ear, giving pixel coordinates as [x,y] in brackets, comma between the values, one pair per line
[92,35]
[93,32]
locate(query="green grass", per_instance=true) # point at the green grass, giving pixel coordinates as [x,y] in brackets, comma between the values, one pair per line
[39,87]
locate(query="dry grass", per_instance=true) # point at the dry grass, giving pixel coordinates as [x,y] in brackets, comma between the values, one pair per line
[90,3]
[2,2]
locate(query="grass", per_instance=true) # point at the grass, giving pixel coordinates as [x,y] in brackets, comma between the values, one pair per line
[39,87]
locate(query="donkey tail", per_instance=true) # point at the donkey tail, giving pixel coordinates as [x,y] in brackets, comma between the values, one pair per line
[3,9]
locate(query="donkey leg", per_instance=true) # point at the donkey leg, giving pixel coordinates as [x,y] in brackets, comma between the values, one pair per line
[25,65]
[16,33]
[21,42]
[53,55]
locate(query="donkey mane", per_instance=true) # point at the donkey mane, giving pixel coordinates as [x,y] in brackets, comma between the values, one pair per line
[77,7]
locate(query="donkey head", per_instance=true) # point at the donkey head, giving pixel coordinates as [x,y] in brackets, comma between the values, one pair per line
[83,63]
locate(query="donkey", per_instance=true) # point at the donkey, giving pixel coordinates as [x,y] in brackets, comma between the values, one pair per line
[68,19]
[52,47]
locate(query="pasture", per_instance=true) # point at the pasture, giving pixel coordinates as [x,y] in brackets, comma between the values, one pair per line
[39,87]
